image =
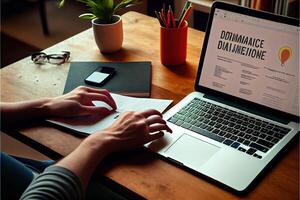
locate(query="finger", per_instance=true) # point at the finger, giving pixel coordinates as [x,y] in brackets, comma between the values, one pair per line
[101,91]
[98,91]
[154,136]
[150,112]
[89,89]
[159,127]
[155,119]
[93,110]
[106,93]
[89,103]
[101,97]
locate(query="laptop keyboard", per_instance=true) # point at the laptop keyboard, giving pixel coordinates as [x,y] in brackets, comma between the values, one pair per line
[242,132]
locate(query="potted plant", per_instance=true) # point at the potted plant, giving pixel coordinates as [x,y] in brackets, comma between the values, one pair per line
[107,26]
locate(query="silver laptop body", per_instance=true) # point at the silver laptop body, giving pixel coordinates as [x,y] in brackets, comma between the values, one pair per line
[233,90]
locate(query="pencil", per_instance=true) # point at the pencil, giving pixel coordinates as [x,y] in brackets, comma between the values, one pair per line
[185,7]
[163,18]
[169,18]
[172,17]
[159,19]
[185,16]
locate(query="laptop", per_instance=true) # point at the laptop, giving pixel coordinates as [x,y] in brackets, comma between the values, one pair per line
[245,108]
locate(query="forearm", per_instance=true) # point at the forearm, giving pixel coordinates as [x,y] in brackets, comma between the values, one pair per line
[70,176]
[12,112]
[85,158]
[131,130]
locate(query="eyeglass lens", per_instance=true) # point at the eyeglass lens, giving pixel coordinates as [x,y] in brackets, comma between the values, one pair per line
[56,59]
[40,58]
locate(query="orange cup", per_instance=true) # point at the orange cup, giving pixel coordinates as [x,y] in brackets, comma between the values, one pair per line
[173,45]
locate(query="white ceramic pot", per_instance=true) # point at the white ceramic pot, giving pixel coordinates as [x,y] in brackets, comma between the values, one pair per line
[108,37]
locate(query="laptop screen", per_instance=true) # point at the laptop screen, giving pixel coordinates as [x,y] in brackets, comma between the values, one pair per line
[253,59]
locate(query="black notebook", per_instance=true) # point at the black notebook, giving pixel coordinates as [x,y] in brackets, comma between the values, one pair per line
[131,78]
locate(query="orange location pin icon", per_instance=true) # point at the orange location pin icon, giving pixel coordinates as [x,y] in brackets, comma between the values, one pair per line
[284,54]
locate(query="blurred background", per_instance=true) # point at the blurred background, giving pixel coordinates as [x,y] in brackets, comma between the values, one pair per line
[33,25]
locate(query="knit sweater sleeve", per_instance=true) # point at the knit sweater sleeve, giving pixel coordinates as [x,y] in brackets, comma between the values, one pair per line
[54,183]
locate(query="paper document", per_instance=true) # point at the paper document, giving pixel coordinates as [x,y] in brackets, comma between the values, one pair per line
[89,125]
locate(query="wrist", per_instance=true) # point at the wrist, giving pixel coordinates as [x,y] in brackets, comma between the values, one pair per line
[45,108]
[99,143]
[85,158]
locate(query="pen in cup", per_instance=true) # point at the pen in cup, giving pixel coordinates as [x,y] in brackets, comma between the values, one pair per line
[172,17]
[185,16]
[159,18]
[167,19]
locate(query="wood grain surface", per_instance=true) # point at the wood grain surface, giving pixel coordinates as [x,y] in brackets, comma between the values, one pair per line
[142,172]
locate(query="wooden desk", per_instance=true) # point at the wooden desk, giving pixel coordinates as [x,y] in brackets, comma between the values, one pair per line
[144,173]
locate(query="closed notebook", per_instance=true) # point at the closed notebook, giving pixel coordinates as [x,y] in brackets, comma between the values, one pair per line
[131,78]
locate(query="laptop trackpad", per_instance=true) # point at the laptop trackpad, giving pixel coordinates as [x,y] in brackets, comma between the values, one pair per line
[191,151]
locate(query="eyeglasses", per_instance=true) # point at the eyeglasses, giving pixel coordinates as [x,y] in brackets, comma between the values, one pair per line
[57,59]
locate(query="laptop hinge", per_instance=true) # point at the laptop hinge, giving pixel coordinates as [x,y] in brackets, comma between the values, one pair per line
[248,109]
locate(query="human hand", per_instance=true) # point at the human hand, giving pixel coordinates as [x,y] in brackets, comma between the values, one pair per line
[132,130]
[129,131]
[78,102]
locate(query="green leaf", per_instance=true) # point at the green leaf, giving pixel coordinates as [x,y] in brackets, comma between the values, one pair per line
[98,10]
[108,4]
[88,16]
[89,3]
[103,9]
[61,3]
[125,3]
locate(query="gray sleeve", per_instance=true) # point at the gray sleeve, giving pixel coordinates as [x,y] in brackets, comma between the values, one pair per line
[54,183]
